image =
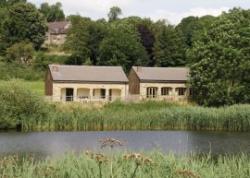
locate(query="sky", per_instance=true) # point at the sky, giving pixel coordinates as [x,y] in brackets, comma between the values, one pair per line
[171,10]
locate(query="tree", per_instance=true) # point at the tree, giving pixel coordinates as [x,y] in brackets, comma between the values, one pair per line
[114,13]
[77,40]
[53,12]
[97,32]
[220,69]
[193,27]
[24,22]
[5,3]
[20,52]
[187,27]
[145,29]
[169,48]
[121,46]
[2,43]
[85,37]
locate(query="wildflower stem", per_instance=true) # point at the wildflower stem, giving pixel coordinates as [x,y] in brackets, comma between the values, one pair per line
[134,173]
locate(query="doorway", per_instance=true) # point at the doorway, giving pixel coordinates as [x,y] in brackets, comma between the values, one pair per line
[69,94]
[103,93]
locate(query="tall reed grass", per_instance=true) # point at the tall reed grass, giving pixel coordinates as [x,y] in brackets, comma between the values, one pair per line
[160,166]
[143,116]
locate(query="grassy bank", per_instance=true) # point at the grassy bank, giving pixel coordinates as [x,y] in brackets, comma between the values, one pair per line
[20,106]
[155,165]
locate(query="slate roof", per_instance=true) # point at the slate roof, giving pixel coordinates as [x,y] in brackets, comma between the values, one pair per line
[73,73]
[162,73]
[61,27]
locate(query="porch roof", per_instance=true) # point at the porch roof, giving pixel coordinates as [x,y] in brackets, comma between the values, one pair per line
[74,73]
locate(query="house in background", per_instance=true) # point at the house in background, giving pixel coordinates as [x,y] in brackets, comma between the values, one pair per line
[57,32]
[166,83]
[85,83]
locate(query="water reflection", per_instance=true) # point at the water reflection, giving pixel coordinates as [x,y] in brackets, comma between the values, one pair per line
[179,142]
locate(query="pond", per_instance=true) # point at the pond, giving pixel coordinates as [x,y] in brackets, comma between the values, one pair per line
[178,142]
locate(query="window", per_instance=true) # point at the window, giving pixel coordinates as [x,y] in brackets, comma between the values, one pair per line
[181,91]
[152,92]
[165,91]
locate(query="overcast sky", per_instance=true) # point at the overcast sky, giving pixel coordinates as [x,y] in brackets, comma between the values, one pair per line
[172,10]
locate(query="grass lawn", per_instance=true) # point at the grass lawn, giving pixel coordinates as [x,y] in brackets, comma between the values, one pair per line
[35,86]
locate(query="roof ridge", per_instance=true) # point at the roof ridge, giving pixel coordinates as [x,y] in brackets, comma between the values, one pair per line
[161,67]
[82,65]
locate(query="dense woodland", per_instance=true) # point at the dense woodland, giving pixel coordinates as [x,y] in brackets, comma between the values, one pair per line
[217,49]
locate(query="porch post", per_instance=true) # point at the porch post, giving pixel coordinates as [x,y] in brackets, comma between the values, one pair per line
[75,94]
[91,94]
[107,94]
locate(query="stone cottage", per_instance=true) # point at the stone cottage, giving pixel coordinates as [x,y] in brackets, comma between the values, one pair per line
[166,83]
[57,32]
[85,83]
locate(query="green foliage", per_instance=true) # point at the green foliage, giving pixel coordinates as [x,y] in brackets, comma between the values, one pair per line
[20,52]
[19,104]
[146,31]
[220,61]
[192,28]
[162,166]
[77,40]
[169,48]
[42,60]
[15,70]
[84,39]
[114,13]
[121,46]
[52,12]
[7,3]
[24,22]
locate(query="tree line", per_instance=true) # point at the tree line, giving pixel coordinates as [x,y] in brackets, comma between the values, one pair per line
[216,49]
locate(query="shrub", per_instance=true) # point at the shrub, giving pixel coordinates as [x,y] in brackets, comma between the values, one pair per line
[21,52]
[14,70]
[18,103]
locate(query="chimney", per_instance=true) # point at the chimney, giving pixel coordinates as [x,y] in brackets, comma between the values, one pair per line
[55,69]
[138,69]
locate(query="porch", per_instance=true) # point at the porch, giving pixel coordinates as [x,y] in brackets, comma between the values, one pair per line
[90,94]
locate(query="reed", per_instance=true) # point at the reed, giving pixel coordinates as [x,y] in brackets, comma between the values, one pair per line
[125,165]
[142,116]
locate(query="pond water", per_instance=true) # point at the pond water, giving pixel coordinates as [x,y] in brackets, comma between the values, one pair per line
[178,142]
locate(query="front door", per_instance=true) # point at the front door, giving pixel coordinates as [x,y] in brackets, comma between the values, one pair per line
[69,94]
[103,93]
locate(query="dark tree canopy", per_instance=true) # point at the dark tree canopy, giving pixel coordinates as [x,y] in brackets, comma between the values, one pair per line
[192,27]
[169,48]
[24,22]
[121,46]
[52,12]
